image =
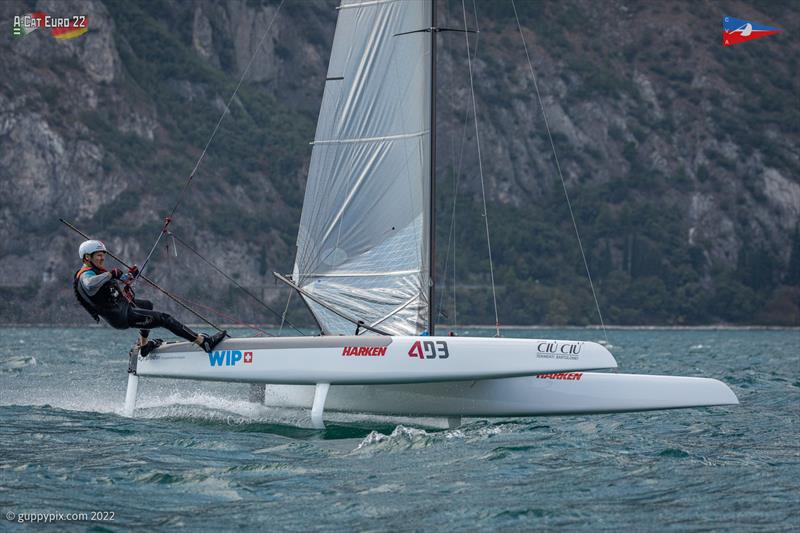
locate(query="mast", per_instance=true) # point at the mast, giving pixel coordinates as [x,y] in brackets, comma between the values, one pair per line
[432,221]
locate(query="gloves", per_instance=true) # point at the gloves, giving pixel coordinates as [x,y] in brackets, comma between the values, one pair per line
[133,271]
[116,273]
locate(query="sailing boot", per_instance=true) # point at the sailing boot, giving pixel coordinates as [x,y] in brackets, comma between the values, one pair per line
[210,341]
[149,346]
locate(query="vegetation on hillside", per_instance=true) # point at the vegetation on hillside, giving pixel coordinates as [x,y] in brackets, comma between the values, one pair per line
[630,184]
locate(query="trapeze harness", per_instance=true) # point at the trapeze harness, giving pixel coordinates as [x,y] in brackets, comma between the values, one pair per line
[111,303]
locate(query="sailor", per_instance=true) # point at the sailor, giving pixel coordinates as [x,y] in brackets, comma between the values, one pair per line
[99,292]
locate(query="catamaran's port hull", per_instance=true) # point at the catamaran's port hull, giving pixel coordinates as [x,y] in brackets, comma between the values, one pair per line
[363,360]
[564,394]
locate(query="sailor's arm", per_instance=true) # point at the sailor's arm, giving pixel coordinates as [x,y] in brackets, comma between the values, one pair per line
[92,282]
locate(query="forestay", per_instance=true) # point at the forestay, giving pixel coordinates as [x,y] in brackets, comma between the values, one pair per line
[362,246]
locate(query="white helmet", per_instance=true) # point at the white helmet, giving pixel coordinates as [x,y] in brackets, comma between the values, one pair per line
[90,247]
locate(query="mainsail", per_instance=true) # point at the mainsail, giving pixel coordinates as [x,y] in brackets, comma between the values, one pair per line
[363,242]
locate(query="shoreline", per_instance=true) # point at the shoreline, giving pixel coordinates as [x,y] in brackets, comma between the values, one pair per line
[707,327]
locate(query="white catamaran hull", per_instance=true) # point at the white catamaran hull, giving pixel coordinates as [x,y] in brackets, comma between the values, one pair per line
[372,360]
[430,376]
[545,394]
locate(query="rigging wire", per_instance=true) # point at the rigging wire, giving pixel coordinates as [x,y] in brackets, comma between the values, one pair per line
[233,319]
[225,111]
[229,278]
[560,174]
[285,310]
[451,238]
[480,168]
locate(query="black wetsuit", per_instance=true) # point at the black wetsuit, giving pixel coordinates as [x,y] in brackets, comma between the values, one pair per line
[102,296]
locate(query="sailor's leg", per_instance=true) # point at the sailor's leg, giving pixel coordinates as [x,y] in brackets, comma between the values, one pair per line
[143,333]
[148,319]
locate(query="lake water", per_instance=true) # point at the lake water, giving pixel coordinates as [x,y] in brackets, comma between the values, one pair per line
[199,456]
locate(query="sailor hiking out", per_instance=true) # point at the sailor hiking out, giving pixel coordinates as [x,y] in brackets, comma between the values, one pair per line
[100,292]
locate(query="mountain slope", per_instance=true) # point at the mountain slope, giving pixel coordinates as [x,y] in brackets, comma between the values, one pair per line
[680,156]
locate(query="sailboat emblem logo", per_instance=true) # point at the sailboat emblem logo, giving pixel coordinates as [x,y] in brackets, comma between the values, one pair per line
[735,31]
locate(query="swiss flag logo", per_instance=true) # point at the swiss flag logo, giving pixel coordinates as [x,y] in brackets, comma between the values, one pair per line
[248,357]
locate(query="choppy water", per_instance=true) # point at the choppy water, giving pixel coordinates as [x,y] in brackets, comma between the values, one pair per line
[199,456]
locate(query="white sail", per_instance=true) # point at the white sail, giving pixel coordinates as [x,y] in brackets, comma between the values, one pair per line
[362,246]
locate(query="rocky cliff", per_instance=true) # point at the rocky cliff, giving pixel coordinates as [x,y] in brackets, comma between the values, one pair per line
[681,156]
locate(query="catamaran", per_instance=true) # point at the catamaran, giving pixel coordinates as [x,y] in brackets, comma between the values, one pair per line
[365,269]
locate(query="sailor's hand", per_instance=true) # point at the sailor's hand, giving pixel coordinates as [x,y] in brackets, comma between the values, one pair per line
[116,273]
[133,271]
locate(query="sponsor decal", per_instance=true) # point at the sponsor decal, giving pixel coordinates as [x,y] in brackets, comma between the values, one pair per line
[228,357]
[559,350]
[735,31]
[60,27]
[364,351]
[569,376]
[429,350]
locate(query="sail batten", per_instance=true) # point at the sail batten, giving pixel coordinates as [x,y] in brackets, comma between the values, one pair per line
[366,3]
[371,139]
[362,245]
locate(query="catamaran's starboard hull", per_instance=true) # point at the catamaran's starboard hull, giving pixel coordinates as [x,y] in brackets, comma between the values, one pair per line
[372,360]
[561,394]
